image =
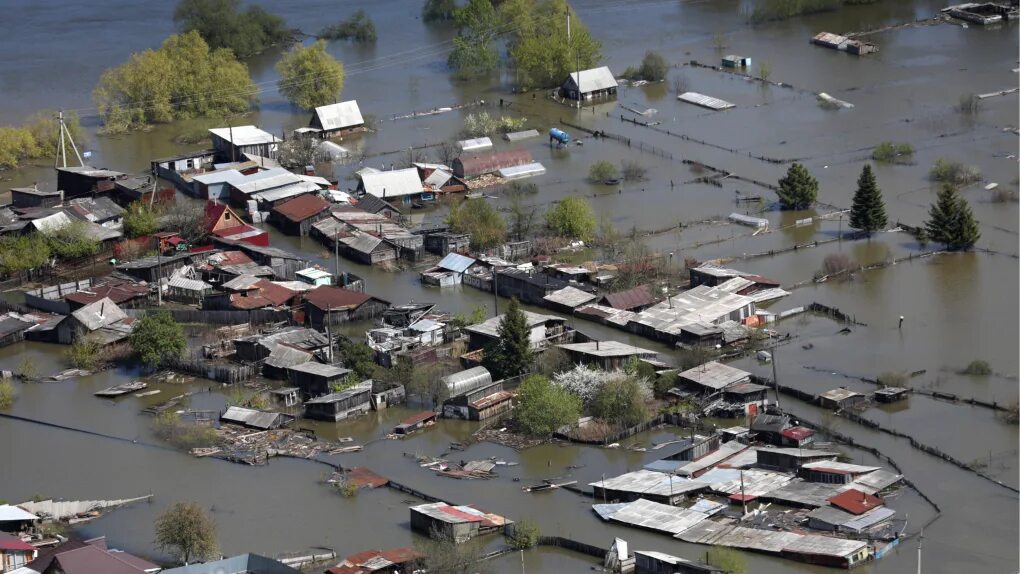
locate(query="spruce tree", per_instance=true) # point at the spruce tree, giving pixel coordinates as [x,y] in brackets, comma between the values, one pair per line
[511,354]
[951,221]
[798,189]
[868,210]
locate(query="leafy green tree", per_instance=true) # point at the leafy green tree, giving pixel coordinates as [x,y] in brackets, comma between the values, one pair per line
[511,354]
[538,43]
[601,171]
[727,559]
[868,210]
[525,534]
[85,353]
[478,219]
[473,53]
[951,221]
[358,357]
[189,221]
[654,67]
[798,189]
[573,217]
[6,394]
[140,220]
[309,76]
[72,241]
[182,79]
[20,253]
[187,531]
[438,10]
[45,129]
[359,28]
[442,553]
[892,152]
[17,145]
[158,339]
[621,401]
[543,407]
[222,24]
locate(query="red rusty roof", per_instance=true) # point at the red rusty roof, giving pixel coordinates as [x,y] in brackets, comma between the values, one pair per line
[797,433]
[413,420]
[362,477]
[640,296]
[334,298]
[472,165]
[302,207]
[277,294]
[855,501]
[247,302]
[8,542]
[460,514]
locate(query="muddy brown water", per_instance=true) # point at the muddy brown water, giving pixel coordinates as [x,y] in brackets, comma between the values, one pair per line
[957,307]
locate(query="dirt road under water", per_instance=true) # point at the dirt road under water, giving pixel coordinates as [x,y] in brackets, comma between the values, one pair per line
[957,307]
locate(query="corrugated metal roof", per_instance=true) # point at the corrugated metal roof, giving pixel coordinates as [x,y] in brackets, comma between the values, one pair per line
[242,283]
[456,262]
[339,116]
[650,482]
[265,180]
[714,375]
[805,493]
[244,135]
[594,79]
[395,183]
[606,349]
[10,513]
[303,207]
[522,171]
[335,298]
[490,327]
[705,101]
[468,380]
[838,467]
[840,394]
[320,369]
[475,144]
[522,135]
[855,501]
[251,418]
[99,314]
[876,481]
[725,451]
[570,297]
[640,296]
[757,222]
[362,243]
[290,190]
[283,356]
[661,517]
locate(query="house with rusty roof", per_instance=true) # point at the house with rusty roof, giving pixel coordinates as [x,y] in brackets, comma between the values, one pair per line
[296,216]
[634,299]
[334,305]
[470,165]
[394,561]
[91,556]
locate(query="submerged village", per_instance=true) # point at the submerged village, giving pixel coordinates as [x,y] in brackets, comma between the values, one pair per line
[515,286]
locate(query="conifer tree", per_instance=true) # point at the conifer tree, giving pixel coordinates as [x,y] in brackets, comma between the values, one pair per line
[798,189]
[511,354]
[951,221]
[868,210]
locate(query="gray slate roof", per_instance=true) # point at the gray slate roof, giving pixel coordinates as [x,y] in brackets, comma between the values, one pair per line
[102,313]
[338,116]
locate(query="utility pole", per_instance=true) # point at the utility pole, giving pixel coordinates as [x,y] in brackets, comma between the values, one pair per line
[495,290]
[336,253]
[775,381]
[920,543]
[60,145]
[159,278]
[329,336]
[233,149]
[743,499]
[577,59]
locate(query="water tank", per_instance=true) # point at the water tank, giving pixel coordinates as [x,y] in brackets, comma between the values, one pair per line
[559,135]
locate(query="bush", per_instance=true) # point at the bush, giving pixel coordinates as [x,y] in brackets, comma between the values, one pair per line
[573,218]
[543,407]
[892,379]
[954,172]
[438,10]
[977,367]
[771,10]
[20,253]
[654,67]
[838,263]
[310,76]
[85,353]
[621,401]
[525,535]
[347,488]
[484,124]
[222,25]
[157,339]
[169,427]
[603,171]
[140,220]
[194,81]
[6,394]
[478,219]
[633,171]
[358,27]
[1012,414]
[892,152]
[970,104]
[73,241]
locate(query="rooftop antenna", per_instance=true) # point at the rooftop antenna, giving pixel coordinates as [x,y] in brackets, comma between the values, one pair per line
[61,159]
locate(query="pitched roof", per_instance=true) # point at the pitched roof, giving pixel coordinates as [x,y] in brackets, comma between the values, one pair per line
[394,183]
[265,180]
[244,135]
[339,116]
[455,262]
[96,208]
[640,296]
[714,375]
[92,560]
[373,204]
[594,79]
[606,349]
[12,513]
[275,293]
[335,298]
[855,502]
[241,564]
[302,207]
[8,542]
[102,313]
[478,164]
[570,297]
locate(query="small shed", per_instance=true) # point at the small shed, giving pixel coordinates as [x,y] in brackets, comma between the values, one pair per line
[797,437]
[395,185]
[337,119]
[314,276]
[568,299]
[705,101]
[367,249]
[232,143]
[791,459]
[855,502]
[449,271]
[35,197]
[606,355]
[255,419]
[464,382]
[589,84]
[339,406]
[445,242]
[415,422]
[459,523]
[652,562]
[635,299]
[474,165]
[834,472]
[337,306]
[891,394]
[316,379]
[475,144]
[841,398]
[296,216]
[713,376]
[285,397]
[734,61]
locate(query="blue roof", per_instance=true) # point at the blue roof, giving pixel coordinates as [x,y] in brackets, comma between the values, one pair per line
[456,262]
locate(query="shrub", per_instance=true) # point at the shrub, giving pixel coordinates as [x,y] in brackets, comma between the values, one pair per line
[892,152]
[543,407]
[140,220]
[573,217]
[602,171]
[621,401]
[977,367]
[633,171]
[347,488]
[6,394]
[954,172]
[892,379]
[483,124]
[970,104]
[525,535]
[838,263]
[438,10]
[358,27]
[85,353]
[223,25]
[1012,414]
[654,67]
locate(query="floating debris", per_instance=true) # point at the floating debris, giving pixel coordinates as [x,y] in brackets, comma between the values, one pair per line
[122,389]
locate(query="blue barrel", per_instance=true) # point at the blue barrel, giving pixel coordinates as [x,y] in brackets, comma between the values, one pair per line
[559,135]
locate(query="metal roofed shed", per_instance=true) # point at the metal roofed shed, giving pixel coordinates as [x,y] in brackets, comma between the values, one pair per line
[643,513]
[608,355]
[519,136]
[705,101]
[802,494]
[841,398]
[522,171]
[755,222]
[714,376]
[468,166]
[475,144]
[336,117]
[456,262]
[569,298]
[255,419]
[855,502]
[646,484]
[588,84]
[466,381]
[395,183]
[650,561]
[875,482]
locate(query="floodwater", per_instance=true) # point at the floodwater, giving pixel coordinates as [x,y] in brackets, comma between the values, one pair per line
[956,307]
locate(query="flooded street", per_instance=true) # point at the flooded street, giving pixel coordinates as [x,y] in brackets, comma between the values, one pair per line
[957,307]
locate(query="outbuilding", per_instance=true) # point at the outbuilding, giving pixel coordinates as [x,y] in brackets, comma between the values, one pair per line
[606,355]
[589,84]
[296,216]
[316,379]
[841,398]
[339,406]
[336,306]
[337,119]
[474,165]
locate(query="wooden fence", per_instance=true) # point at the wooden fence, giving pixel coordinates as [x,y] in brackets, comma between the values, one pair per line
[222,373]
[221,317]
[640,145]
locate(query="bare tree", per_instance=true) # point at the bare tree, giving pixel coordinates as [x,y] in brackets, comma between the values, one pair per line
[442,554]
[296,153]
[522,215]
[446,152]
[187,531]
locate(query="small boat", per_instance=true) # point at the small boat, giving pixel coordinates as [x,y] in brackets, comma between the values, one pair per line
[122,389]
[148,393]
[474,195]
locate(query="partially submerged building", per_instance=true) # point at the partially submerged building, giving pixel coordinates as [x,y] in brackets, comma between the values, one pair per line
[296,216]
[841,398]
[341,405]
[334,305]
[606,355]
[544,330]
[255,419]
[237,143]
[337,119]
[316,379]
[449,271]
[396,186]
[458,523]
[843,44]
[472,165]
[589,84]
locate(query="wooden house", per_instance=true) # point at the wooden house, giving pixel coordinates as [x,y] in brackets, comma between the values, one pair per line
[652,562]
[82,181]
[339,406]
[316,379]
[528,287]
[445,242]
[237,142]
[396,186]
[296,216]
[589,84]
[635,299]
[457,523]
[841,398]
[15,553]
[367,249]
[337,119]
[606,355]
[24,197]
[337,306]
[225,223]
[543,331]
